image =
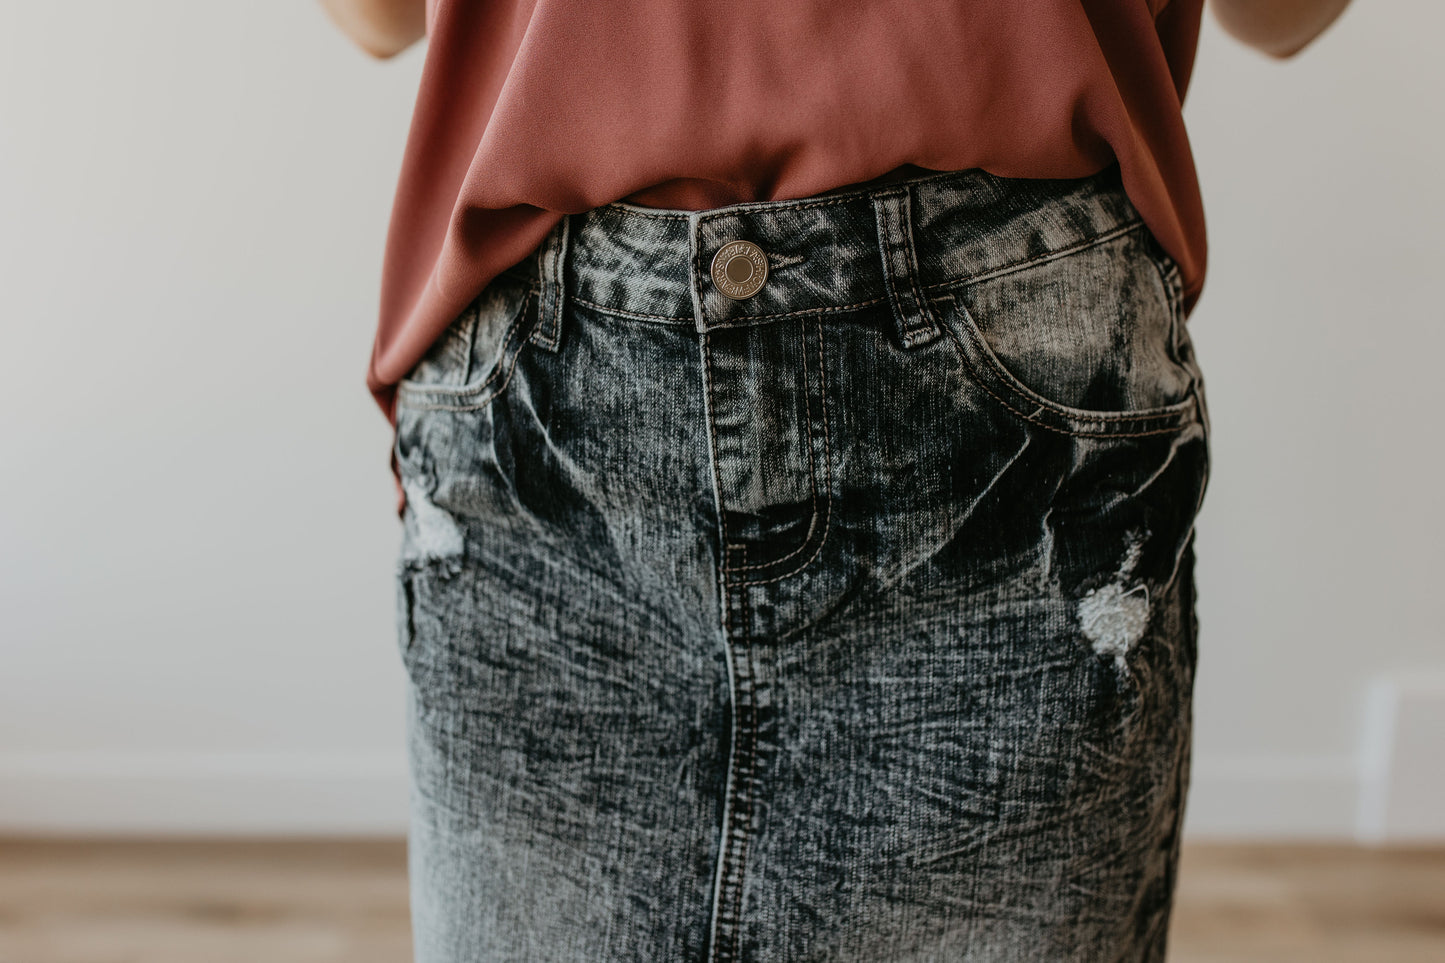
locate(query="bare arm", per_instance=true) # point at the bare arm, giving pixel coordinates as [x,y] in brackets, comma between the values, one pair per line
[383,28]
[1280,28]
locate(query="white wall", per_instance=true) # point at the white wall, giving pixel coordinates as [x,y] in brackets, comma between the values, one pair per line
[1319,333]
[196,529]
[196,513]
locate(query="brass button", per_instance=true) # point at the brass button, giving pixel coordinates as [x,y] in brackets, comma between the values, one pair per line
[739,269]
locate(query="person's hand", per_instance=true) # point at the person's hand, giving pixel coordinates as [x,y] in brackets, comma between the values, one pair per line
[383,28]
[1280,28]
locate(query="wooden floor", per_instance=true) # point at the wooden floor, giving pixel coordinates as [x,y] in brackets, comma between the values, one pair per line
[309,902]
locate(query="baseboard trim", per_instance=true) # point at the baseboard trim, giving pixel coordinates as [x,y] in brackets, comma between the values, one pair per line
[177,794]
[243,794]
[1272,797]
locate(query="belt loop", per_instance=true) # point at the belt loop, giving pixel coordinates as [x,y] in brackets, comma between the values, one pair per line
[914,322]
[551,257]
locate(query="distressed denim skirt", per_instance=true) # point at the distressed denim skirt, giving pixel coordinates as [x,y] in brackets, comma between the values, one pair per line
[806,580]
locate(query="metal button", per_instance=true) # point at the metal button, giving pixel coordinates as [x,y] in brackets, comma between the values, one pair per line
[739,269]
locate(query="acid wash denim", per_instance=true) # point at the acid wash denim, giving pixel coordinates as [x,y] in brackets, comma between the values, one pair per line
[850,620]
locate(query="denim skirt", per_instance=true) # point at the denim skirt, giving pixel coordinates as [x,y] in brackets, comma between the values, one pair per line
[806,580]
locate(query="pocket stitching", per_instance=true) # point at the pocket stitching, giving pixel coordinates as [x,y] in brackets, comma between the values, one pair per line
[988,367]
[1031,395]
[1075,420]
[1171,276]
[423,397]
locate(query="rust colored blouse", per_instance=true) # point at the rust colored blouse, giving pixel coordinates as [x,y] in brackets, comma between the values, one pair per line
[529,109]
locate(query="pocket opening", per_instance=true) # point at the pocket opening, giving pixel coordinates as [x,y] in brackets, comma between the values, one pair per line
[1086,344]
[502,323]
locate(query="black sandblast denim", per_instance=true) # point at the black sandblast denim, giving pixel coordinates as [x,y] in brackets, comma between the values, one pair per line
[852,620]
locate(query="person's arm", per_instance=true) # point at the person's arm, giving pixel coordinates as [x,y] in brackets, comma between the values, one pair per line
[1280,28]
[383,28]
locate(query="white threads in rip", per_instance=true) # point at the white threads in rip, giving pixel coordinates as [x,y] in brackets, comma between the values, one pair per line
[435,533]
[1113,617]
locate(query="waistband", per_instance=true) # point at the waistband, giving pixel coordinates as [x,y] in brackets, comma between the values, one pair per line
[833,252]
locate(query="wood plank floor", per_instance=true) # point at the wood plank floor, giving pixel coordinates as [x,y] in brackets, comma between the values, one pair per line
[79,901]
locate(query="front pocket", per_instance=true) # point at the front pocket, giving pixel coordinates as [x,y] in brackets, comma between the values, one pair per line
[1084,342]
[469,364]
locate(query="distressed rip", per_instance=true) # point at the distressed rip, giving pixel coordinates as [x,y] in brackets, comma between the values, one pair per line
[1113,617]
